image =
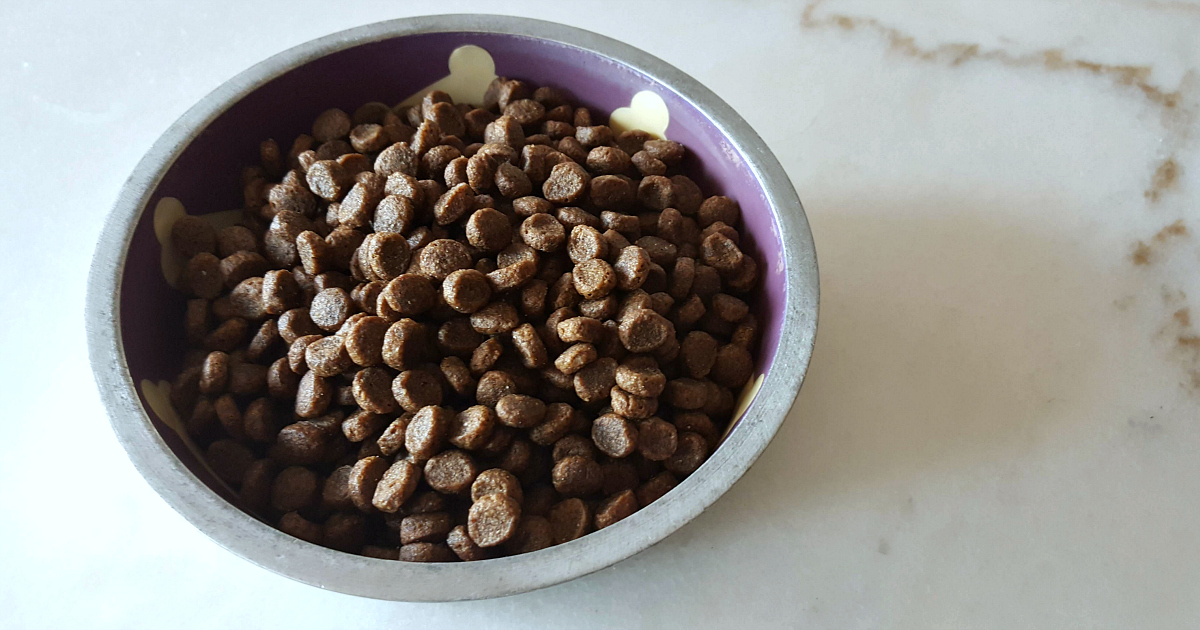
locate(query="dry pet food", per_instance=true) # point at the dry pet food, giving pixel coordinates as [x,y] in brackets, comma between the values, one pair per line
[452,332]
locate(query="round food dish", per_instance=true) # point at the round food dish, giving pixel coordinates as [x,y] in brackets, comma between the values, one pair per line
[133,313]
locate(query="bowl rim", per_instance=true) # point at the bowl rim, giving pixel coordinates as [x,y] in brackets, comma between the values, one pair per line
[263,545]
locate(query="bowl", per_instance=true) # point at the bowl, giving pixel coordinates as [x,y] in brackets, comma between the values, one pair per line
[133,314]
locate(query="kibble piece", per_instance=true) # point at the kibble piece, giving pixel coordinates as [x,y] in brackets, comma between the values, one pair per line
[214,373]
[239,266]
[689,454]
[631,406]
[686,393]
[363,424]
[614,435]
[425,434]
[426,552]
[295,525]
[472,427]
[543,232]
[451,472]
[573,445]
[729,308]
[655,192]
[327,357]
[459,541]
[529,345]
[458,375]
[533,533]
[330,308]
[657,439]
[666,150]
[586,243]
[486,355]
[576,476]
[372,390]
[733,366]
[632,268]
[615,508]
[489,230]
[230,460]
[644,330]
[192,235]
[721,253]
[415,389]
[569,519]
[495,318]
[504,130]
[688,196]
[466,290]
[493,386]
[387,255]
[595,380]
[331,124]
[396,486]
[493,519]
[410,294]
[364,340]
[391,441]
[559,420]
[641,376]
[202,275]
[520,411]
[313,395]
[580,329]
[594,279]
[655,488]
[567,183]
[442,257]
[512,182]
[363,481]
[575,358]
[294,488]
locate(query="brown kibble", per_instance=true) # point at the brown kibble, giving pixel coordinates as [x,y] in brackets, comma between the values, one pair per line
[472,427]
[295,525]
[576,357]
[410,294]
[595,380]
[567,183]
[364,339]
[495,318]
[729,308]
[214,373]
[458,375]
[644,330]
[496,481]
[580,329]
[688,455]
[543,232]
[632,267]
[453,204]
[666,150]
[489,230]
[282,382]
[192,235]
[451,472]
[594,278]
[385,255]
[404,344]
[512,276]
[230,460]
[295,323]
[641,376]
[647,164]
[372,389]
[686,393]
[416,389]
[659,250]
[459,541]
[529,345]
[486,355]
[586,243]
[533,533]
[602,308]
[631,406]
[573,446]
[520,411]
[493,386]
[202,276]
[719,252]
[655,488]
[391,441]
[699,352]
[742,279]
[614,435]
[313,395]
[654,192]
[611,192]
[294,488]
[733,366]
[330,308]
[657,439]
[424,436]
[363,424]
[718,208]
[331,124]
[615,508]
[363,480]
[576,476]
[569,519]
[493,519]
[444,256]
[512,182]
[560,419]
[504,130]
[466,290]
[396,486]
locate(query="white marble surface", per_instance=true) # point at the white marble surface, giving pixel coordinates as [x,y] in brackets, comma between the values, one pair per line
[1000,424]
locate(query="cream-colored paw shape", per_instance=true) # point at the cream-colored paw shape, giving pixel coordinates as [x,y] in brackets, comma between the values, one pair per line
[158,396]
[471,71]
[166,213]
[646,112]
[743,402]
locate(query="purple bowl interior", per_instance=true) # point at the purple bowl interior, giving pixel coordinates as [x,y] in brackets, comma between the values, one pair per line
[206,175]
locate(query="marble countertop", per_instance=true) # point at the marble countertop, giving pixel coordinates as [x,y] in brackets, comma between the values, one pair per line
[999,427]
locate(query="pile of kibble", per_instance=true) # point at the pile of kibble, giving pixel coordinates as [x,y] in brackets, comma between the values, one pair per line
[445,332]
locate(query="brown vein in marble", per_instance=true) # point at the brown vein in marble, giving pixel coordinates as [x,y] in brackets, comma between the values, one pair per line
[1166,174]
[1143,250]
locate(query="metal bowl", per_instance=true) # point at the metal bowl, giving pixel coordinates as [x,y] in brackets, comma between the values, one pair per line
[133,315]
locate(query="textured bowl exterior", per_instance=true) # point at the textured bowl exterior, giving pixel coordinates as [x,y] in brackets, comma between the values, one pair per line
[133,315]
